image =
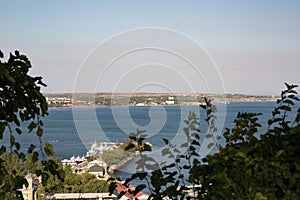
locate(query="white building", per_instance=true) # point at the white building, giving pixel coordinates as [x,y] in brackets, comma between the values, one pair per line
[168,102]
[90,196]
[29,193]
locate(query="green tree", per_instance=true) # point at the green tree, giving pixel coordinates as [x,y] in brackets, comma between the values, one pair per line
[21,101]
[114,156]
[247,167]
[257,168]
[73,183]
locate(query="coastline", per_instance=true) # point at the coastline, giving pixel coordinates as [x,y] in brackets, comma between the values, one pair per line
[145,99]
[189,104]
[123,162]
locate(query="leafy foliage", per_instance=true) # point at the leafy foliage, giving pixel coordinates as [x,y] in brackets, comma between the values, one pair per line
[21,101]
[72,183]
[247,167]
[167,180]
[114,156]
[252,168]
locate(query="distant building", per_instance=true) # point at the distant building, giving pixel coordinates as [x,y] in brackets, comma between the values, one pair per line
[74,161]
[87,196]
[95,162]
[29,193]
[168,102]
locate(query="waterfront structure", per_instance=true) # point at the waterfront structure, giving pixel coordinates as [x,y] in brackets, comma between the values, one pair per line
[74,161]
[82,196]
[170,102]
[98,148]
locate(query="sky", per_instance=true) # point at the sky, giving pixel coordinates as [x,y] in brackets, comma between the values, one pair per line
[254,46]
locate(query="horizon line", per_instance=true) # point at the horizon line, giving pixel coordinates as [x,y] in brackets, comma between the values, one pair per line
[156,93]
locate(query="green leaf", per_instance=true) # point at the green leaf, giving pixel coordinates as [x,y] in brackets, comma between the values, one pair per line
[138,189]
[121,194]
[286,108]
[18,131]
[45,177]
[112,187]
[210,145]
[166,141]
[241,154]
[142,175]
[279,153]
[22,156]
[290,87]
[165,151]
[132,137]
[49,149]
[203,106]
[13,140]
[186,144]
[186,131]
[196,135]
[186,122]
[287,101]
[147,147]
[31,148]
[186,167]
[195,143]
[17,53]
[2,150]
[17,145]
[38,172]
[39,132]
[292,96]
[2,128]
[41,122]
[61,174]
[129,146]
[31,126]
[35,156]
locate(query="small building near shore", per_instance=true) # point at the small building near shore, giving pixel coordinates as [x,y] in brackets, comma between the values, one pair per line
[169,102]
[95,162]
[88,196]
[29,192]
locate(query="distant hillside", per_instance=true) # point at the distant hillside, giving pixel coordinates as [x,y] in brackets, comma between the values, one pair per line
[143,99]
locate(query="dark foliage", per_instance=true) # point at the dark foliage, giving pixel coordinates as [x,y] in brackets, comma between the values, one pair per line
[21,101]
[247,167]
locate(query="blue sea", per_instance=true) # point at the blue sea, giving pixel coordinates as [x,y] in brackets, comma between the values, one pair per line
[73,131]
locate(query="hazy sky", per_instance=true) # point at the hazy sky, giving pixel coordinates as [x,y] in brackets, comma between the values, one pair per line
[255,44]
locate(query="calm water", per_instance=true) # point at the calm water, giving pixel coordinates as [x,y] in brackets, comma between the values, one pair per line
[74,137]
[68,140]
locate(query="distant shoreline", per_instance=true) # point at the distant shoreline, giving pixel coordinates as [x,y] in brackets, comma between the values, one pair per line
[79,100]
[192,104]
